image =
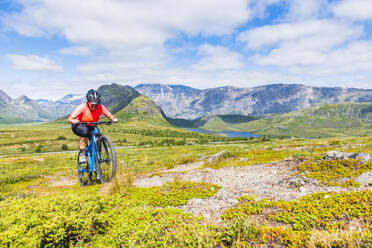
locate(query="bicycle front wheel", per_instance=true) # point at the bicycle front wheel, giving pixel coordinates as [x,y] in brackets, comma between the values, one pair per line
[84,174]
[106,166]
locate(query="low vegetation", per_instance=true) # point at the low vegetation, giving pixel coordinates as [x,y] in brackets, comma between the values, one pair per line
[42,205]
[326,120]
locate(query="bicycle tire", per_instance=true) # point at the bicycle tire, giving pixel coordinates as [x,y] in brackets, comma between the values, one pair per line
[85,177]
[106,166]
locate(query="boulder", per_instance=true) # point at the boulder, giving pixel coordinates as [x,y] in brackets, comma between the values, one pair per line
[332,155]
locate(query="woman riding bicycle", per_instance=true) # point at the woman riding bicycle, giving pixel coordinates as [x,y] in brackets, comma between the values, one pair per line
[90,111]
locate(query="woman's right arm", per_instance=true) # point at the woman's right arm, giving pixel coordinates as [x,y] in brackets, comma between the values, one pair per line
[73,117]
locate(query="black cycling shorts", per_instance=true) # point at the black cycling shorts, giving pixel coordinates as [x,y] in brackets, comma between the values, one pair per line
[82,130]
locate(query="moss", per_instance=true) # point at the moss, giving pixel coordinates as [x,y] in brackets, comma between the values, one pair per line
[330,172]
[321,211]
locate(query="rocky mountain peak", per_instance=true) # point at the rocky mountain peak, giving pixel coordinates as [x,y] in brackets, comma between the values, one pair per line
[4,97]
[188,103]
[22,100]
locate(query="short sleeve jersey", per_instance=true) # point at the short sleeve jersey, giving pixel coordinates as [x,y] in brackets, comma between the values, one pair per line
[84,114]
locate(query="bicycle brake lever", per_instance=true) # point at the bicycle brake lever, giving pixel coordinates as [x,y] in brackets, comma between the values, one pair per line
[110,122]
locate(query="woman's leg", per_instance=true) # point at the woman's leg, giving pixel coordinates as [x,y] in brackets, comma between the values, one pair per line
[83,143]
[83,131]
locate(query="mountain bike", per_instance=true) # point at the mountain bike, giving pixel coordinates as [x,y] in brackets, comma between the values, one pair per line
[101,158]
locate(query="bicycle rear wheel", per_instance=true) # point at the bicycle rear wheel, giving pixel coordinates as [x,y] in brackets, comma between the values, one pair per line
[106,166]
[84,175]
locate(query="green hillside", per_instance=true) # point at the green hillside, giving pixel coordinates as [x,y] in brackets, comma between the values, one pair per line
[143,109]
[116,97]
[325,120]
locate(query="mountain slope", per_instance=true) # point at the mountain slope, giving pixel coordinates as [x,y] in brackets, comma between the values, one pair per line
[179,101]
[21,110]
[63,106]
[324,120]
[116,97]
[142,109]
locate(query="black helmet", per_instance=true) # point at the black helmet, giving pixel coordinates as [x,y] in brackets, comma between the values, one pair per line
[93,97]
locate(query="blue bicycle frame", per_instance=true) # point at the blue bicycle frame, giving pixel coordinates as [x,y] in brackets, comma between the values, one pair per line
[91,150]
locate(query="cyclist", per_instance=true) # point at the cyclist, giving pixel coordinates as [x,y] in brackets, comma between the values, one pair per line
[90,111]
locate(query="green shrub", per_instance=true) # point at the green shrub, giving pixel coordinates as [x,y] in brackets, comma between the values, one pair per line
[329,172]
[64,147]
[38,148]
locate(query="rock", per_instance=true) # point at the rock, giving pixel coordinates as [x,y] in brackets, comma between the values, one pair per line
[365,157]
[326,196]
[332,155]
[365,179]
[302,189]
[296,182]
[244,159]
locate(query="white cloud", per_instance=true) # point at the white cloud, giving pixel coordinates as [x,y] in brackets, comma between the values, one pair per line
[300,9]
[218,58]
[353,9]
[33,63]
[112,24]
[77,50]
[327,31]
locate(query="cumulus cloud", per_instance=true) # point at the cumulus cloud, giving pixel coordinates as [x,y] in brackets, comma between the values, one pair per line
[300,9]
[218,58]
[327,32]
[127,41]
[33,63]
[316,47]
[353,9]
[112,24]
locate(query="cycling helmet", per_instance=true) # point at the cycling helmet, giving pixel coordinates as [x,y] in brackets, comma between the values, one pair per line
[93,97]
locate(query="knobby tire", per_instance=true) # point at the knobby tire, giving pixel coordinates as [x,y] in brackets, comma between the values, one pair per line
[85,177]
[106,166]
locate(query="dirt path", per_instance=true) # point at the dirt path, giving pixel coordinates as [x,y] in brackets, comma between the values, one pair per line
[272,181]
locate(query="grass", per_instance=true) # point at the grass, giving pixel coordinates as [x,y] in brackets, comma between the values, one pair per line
[34,213]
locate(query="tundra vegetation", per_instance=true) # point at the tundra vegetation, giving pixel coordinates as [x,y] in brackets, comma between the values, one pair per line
[42,204]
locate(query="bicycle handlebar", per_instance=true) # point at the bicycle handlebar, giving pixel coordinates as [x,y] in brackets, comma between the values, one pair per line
[97,123]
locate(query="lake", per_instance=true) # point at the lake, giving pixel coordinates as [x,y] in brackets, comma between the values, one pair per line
[230,134]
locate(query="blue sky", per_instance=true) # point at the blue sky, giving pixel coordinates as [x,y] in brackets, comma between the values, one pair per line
[49,48]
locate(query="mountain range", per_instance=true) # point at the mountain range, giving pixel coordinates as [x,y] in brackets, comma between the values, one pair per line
[22,110]
[323,120]
[178,101]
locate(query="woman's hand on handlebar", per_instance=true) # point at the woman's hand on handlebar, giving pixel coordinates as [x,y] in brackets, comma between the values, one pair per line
[114,120]
[75,121]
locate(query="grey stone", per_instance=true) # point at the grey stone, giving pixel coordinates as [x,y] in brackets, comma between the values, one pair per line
[365,179]
[296,182]
[332,155]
